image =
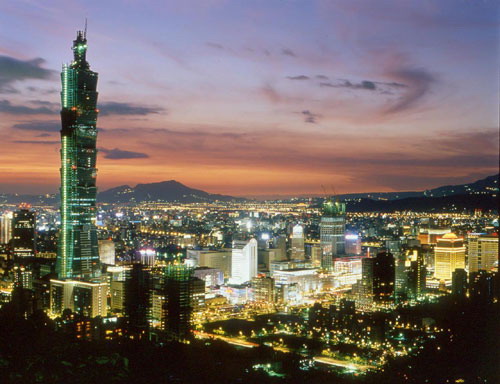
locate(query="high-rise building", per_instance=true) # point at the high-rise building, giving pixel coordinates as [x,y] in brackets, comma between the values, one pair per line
[78,250]
[280,248]
[298,251]
[179,284]
[243,261]
[86,298]
[332,232]
[147,256]
[5,227]
[449,255]
[117,291]
[23,233]
[482,251]
[263,288]
[219,259]
[352,244]
[107,252]
[363,289]
[482,285]
[138,284]
[313,250]
[383,277]
[416,277]
[212,277]
[401,278]
[23,277]
[459,282]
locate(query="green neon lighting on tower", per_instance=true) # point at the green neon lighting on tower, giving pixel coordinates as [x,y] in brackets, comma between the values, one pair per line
[78,251]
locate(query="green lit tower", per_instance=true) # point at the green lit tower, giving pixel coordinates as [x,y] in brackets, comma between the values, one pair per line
[78,251]
[178,301]
[332,232]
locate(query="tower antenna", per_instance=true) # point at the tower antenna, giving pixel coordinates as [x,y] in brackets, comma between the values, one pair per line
[85,30]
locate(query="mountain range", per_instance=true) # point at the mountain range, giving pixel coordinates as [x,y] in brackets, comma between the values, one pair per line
[163,191]
[488,185]
[479,194]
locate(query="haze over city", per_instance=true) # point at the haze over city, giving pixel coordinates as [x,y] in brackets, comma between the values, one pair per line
[258,98]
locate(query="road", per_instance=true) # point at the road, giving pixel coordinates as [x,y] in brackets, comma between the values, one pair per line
[320,359]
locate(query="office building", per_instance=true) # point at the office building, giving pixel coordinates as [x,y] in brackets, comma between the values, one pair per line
[352,244]
[297,240]
[243,261]
[449,254]
[263,289]
[117,291]
[178,290]
[147,256]
[313,253]
[267,256]
[482,286]
[307,280]
[482,251]
[78,250]
[5,227]
[23,233]
[138,286]
[212,277]
[377,280]
[347,270]
[280,247]
[459,283]
[85,298]
[288,264]
[332,232]
[107,251]
[401,278]
[383,277]
[416,273]
[218,259]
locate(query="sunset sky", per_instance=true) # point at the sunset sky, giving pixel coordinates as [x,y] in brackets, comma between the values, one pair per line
[258,97]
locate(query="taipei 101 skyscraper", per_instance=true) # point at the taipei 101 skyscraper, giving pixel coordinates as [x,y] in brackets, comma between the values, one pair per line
[78,250]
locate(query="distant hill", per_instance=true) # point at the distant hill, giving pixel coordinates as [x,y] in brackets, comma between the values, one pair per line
[171,191]
[486,186]
[48,200]
[479,194]
[453,203]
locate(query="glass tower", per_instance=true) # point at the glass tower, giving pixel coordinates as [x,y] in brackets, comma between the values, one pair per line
[332,232]
[78,255]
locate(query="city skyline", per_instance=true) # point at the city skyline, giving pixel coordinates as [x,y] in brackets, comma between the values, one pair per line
[281,102]
[260,99]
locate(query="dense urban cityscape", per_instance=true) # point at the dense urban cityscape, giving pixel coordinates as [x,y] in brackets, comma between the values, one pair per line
[165,283]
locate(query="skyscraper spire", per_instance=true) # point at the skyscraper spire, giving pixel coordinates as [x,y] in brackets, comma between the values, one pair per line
[80,50]
[78,251]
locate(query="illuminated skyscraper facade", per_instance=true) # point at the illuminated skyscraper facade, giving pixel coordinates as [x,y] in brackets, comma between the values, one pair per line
[332,232]
[179,284]
[298,251]
[449,254]
[78,248]
[244,261]
[483,251]
[23,233]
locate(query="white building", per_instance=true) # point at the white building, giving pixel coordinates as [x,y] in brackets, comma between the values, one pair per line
[107,252]
[147,256]
[219,259]
[298,251]
[482,251]
[307,279]
[6,227]
[87,298]
[244,261]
